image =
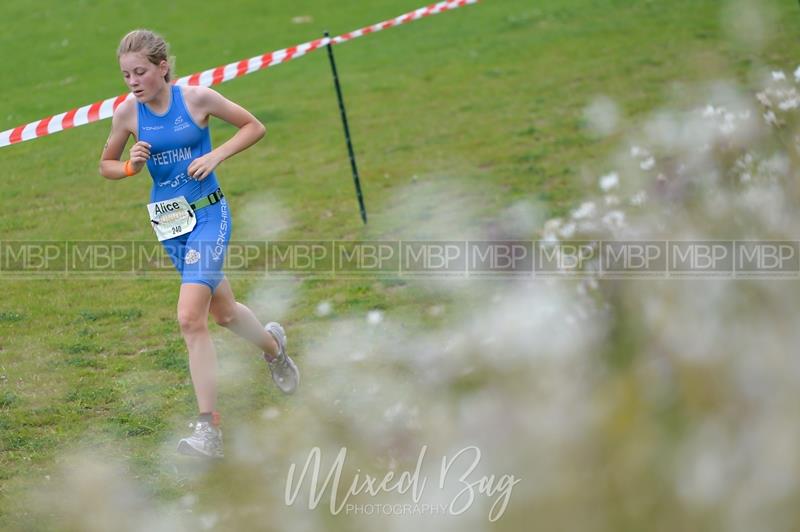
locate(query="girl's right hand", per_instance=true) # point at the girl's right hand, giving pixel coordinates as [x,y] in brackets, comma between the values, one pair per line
[139,154]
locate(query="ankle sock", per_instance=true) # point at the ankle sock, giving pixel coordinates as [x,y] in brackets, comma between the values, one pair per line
[209,417]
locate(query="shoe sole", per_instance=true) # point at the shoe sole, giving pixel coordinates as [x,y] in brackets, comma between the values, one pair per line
[187,450]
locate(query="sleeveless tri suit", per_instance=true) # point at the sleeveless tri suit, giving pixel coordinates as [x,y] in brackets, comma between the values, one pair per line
[176,140]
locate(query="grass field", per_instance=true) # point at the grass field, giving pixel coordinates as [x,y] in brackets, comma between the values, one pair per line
[455,119]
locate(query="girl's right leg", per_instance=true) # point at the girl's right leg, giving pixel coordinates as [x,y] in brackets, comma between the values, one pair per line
[193,305]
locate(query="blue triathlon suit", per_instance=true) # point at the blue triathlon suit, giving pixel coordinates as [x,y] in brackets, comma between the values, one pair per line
[176,140]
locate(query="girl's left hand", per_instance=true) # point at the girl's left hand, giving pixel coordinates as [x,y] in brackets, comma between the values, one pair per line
[201,167]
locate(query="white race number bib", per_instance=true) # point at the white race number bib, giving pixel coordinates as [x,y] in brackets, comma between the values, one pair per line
[171,218]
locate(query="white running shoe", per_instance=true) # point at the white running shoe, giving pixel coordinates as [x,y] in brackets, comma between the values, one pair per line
[284,370]
[205,441]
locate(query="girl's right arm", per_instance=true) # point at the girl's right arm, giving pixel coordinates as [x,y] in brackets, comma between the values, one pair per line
[110,165]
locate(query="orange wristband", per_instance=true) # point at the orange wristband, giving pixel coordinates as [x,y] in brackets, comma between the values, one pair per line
[129,168]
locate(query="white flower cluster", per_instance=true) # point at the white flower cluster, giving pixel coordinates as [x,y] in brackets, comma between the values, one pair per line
[683,155]
[723,119]
[779,97]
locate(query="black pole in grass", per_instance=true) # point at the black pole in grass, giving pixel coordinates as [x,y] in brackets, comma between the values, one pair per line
[356,180]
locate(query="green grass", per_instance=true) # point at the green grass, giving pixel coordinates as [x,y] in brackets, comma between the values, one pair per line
[481,107]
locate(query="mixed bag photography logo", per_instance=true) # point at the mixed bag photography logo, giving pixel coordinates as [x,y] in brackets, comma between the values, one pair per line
[319,480]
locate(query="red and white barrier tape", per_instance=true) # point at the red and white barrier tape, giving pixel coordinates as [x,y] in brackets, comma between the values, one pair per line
[105,108]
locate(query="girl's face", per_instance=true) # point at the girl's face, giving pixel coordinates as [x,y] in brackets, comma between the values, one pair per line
[142,77]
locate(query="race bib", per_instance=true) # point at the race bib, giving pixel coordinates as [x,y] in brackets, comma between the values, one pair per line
[171,218]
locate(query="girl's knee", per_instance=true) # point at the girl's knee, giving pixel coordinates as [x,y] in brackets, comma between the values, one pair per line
[225,317]
[191,321]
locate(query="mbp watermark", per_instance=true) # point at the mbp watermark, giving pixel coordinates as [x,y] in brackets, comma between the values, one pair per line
[711,258]
[34,258]
[512,258]
[300,257]
[433,258]
[367,258]
[472,259]
[767,258]
[633,259]
[457,475]
[567,259]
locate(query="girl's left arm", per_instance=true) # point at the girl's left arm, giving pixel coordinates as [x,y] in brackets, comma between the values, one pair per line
[250,131]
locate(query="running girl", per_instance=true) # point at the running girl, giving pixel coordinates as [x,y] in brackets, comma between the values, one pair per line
[189,213]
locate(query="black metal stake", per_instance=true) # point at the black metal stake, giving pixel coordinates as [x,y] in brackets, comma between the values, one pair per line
[347,133]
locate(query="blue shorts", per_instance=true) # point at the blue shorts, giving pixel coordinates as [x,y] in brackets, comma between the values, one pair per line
[199,255]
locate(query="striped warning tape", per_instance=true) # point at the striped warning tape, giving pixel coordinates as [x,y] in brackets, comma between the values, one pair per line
[105,108]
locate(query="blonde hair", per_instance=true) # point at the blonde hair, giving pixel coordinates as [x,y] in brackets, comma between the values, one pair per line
[151,44]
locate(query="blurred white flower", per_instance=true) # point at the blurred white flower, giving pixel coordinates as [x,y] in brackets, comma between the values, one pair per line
[639,198]
[391,413]
[776,167]
[568,230]
[637,151]
[609,181]
[324,308]
[614,219]
[374,317]
[587,226]
[791,103]
[797,74]
[770,118]
[745,160]
[188,500]
[778,75]
[552,224]
[727,128]
[648,164]
[208,521]
[586,210]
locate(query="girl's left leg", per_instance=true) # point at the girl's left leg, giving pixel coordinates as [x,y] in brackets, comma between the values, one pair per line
[239,319]
[271,339]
